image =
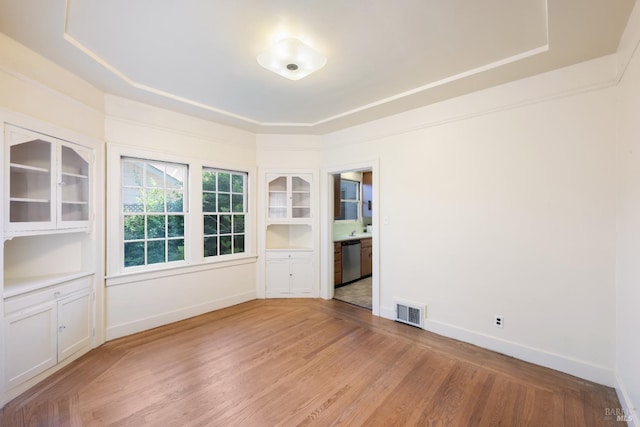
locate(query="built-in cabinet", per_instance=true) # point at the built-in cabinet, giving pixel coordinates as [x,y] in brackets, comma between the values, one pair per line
[52,250]
[290,270]
[45,327]
[48,183]
[289,273]
[289,197]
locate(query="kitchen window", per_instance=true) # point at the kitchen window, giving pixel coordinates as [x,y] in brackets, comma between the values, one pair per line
[349,200]
[153,206]
[224,209]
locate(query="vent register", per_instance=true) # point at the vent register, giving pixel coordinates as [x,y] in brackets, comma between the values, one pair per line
[409,313]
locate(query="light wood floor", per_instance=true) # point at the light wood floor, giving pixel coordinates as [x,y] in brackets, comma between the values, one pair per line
[304,362]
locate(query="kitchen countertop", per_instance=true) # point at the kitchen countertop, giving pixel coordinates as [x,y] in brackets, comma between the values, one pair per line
[357,236]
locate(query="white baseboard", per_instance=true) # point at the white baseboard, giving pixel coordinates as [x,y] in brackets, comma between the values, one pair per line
[579,368]
[625,401]
[161,319]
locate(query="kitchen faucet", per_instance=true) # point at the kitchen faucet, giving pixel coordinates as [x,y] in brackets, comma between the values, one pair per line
[353,233]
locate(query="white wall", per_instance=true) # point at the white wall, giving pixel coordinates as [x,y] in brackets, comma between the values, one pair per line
[136,302]
[34,86]
[502,202]
[628,228]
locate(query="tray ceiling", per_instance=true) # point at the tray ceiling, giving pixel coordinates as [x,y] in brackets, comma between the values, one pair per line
[199,57]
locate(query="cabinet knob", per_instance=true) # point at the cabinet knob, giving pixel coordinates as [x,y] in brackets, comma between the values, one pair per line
[61,183]
[56,294]
[62,328]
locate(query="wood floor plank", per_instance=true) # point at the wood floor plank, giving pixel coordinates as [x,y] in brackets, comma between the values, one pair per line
[303,363]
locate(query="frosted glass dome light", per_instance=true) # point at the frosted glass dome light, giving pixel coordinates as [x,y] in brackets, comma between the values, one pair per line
[292,59]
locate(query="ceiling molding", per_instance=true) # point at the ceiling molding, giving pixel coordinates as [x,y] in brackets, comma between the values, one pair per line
[300,125]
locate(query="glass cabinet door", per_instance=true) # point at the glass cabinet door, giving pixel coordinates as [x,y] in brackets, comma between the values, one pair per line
[31,190]
[74,186]
[300,197]
[47,182]
[278,198]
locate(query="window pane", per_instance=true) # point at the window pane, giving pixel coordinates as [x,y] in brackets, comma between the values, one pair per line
[155,175]
[211,224]
[209,202]
[175,201]
[238,203]
[225,224]
[224,202]
[132,173]
[132,200]
[238,223]
[155,200]
[224,182]
[238,243]
[175,226]
[210,246]
[348,190]
[133,254]
[237,183]
[350,210]
[176,250]
[155,251]
[133,227]
[156,226]
[225,245]
[175,176]
[209,181]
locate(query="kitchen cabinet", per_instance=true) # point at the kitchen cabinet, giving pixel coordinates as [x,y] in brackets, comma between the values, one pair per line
[288,198]
[46,326]
[289,273]
[366,256]
[47,183]
[337,263]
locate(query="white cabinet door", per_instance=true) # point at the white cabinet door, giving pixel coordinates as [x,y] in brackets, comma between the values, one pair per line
[74,324]
[290,274]
[31,343]
[278,276]
[301,274]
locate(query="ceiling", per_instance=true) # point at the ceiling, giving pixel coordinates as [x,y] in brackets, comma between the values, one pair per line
[384,57]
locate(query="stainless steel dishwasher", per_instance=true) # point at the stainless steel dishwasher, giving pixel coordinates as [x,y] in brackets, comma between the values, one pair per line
[350,261]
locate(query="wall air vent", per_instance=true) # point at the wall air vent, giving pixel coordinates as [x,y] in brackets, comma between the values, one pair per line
[409,313]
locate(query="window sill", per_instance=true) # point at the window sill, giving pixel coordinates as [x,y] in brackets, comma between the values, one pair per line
[140,276]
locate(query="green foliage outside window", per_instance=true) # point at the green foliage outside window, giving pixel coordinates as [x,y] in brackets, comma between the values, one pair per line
[153,209]
[224,209]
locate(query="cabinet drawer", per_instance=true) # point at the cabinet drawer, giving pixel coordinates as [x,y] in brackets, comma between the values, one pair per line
[365,243]
[282,255]
[51,293]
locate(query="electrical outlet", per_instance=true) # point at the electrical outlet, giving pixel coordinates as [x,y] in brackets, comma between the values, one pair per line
[498,321]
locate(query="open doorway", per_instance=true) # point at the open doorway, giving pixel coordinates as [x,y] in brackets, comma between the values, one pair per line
[352,237]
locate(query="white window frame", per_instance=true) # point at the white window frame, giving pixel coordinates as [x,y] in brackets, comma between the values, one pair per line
[116,274]
[357,201]
[146,239]
[245,194]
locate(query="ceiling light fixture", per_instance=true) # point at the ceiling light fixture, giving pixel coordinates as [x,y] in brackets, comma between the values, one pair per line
[292,59]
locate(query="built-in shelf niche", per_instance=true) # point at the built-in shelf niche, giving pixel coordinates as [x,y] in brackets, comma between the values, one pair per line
[45,258]
[289,236]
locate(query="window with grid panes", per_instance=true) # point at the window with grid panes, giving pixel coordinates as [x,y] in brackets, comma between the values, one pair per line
[153,209]
[224,207]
